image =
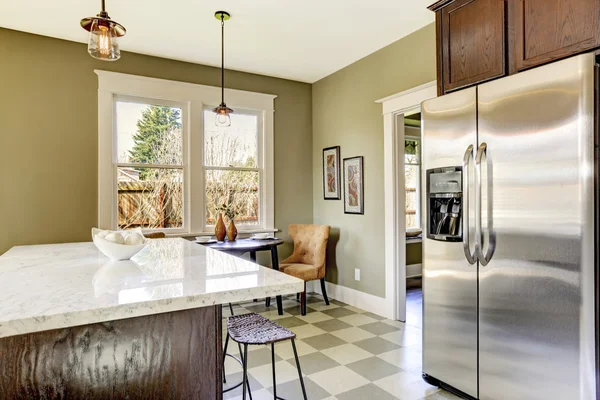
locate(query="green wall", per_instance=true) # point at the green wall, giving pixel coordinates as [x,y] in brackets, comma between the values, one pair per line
[48,136]
[345,114]
[414,253]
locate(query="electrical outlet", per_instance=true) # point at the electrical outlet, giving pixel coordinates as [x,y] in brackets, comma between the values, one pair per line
[356,274]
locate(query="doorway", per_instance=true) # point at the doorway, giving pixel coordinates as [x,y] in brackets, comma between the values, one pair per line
[412,212]
[398,111]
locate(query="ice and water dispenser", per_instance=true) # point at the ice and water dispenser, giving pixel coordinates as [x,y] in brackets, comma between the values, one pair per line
[444,204]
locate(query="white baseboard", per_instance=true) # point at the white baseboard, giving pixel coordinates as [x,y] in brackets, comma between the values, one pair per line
[364,301]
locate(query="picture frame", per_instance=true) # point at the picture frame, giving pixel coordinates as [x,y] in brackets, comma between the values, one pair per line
[331,173]
[354,185]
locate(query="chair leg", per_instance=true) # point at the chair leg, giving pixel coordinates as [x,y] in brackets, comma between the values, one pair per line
[297,296]
[245,375]
[324,291]
[268,302]
[225,355]
[299,370]
[273,366]
[231,309]
[303,301]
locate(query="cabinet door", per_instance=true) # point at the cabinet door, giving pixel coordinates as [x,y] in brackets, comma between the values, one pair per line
[542,31]
[473,37]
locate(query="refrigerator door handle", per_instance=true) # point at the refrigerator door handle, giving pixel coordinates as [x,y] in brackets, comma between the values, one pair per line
[484,259]
[470,256]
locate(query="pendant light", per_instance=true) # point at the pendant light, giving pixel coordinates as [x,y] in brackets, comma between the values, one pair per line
[222,118]
[103,42]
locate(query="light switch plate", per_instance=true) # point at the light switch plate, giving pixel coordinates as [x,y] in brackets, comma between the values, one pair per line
[356,274]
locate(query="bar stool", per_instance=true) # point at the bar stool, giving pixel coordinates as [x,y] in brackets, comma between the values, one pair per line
[254,329]
[239,360]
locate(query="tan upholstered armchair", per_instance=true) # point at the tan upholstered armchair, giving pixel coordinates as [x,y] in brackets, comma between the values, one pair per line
[308,260]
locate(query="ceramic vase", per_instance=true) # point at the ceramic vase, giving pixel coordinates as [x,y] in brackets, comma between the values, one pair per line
[231,231]
[220,231]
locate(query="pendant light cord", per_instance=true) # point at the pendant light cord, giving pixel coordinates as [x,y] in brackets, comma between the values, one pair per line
[103,6]
[222,58]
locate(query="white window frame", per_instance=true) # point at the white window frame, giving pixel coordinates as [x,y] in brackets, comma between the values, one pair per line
[192,98]
[418,164]
[184,106]
[260,168]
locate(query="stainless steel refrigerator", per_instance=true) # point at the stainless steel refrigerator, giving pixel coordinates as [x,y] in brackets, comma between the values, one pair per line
[509,264]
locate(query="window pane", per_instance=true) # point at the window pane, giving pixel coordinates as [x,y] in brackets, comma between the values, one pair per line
[412,200]
[411,151]
[149,134]
[237,189]
[232,146]
[150,198]
[411,221]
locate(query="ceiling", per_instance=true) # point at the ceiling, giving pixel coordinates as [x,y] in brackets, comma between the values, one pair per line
[303,40]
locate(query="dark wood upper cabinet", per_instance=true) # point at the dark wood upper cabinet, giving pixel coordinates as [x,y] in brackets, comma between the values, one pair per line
[479,40]
[542,31]
[471,48]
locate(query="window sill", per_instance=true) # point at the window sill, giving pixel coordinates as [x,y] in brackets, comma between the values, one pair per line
[212,232]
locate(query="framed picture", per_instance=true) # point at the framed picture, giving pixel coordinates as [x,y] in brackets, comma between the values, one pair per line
[331,173]
[354,186]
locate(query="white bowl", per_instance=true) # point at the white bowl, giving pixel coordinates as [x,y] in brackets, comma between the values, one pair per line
[265,235]
[116,251]
[203,239]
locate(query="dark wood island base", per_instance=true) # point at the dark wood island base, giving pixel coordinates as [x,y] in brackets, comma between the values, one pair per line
[173,355]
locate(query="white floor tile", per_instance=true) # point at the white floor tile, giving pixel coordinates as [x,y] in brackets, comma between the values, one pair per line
[338,380]
[283,370]
[305,331]
[347,353]
[406,386]
[286,352]
[353,334]
[357,319]
[313,317]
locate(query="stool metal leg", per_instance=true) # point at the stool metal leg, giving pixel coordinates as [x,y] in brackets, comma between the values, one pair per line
[225,349]
[246,380]
[268,302]
[245,376]
[299,370]
[224,355]
[273,365]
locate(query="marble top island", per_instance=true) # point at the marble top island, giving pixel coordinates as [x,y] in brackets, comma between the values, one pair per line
[62,285]
[76,325]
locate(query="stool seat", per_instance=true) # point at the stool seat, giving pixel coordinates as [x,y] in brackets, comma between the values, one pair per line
[255,329]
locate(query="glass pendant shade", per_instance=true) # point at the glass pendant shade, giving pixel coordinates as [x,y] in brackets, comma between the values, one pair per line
[104,40]
[222,118]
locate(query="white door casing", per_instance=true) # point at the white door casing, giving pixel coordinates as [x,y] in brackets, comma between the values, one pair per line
[394,107]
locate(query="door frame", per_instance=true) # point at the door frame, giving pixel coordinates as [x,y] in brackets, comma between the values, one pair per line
[393,109]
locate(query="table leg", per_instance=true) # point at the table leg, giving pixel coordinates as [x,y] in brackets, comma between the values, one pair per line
[275,264]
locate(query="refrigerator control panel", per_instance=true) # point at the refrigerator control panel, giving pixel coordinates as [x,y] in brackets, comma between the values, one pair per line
[444,204]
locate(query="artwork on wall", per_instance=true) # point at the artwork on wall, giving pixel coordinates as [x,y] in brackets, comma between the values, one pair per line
[354,202]
[331,173]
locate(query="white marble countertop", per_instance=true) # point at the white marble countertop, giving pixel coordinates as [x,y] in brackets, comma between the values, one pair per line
[61,285]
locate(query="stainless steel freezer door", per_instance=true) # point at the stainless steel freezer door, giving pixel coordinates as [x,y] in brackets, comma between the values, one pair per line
[536,313]
[449,280]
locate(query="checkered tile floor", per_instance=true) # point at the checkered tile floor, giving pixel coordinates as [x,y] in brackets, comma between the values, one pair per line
[345,353]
